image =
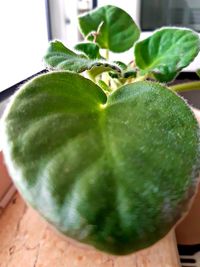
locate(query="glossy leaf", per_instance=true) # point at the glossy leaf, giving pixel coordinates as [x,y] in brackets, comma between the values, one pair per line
[60,57]
[114,29]
[91,50]
[167,52]
[113,172]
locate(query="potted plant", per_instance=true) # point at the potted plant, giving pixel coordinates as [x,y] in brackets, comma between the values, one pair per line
[105,151]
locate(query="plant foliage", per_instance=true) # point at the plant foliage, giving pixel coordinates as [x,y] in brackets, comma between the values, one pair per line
[103,152]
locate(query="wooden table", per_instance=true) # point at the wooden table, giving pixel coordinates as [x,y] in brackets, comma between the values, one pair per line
[27,241]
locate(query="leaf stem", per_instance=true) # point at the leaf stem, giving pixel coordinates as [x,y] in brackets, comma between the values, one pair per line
[90,76]
[186,86]
[107,54]
[140,78]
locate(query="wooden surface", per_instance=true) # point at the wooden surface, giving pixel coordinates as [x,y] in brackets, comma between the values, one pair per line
[27,241]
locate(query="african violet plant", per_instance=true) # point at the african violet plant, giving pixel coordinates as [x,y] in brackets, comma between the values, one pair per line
[101,149]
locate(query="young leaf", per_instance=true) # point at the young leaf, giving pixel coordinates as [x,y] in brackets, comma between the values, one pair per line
[117,30]
[99,69]
[130,74]
[91,50]
[122,65]
[167,52]
[61,58]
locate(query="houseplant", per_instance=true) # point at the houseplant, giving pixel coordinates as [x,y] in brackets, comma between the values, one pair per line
[104,150]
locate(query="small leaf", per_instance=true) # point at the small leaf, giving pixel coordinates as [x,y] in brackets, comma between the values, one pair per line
[130,74]
[98,69]
[61,58]
[118,31]
[127,71]
[167,52]
[198,72]
[122,65]
[124,75]
[91,50]
[114,75]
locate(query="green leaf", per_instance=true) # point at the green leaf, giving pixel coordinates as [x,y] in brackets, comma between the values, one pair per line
[104,86]
[167,52]
[124,75]
[97,70]
[60,57]
[91,50]
[198,72]
[114,75]
[114,29]
[127,71]
[130,74]
[122,65]
[95,167]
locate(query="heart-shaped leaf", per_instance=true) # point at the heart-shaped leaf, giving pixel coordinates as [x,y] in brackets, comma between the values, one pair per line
[91,50]
[113,172]
[167,52]
[60,57]
[113,28]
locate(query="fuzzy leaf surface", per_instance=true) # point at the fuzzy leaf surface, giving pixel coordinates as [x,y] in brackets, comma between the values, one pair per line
[91,50]
[59,57]
[167,52]
[94,166]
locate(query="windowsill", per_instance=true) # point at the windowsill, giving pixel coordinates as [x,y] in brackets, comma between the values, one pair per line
[26,240]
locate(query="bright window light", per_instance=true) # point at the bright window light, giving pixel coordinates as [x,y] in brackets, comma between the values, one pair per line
[23,33]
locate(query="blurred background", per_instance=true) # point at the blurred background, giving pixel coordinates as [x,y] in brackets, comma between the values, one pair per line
[26,27]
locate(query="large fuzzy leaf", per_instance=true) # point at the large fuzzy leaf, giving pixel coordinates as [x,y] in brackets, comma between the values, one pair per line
[115,29]
[113,172]
[167,52]
[59,57]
